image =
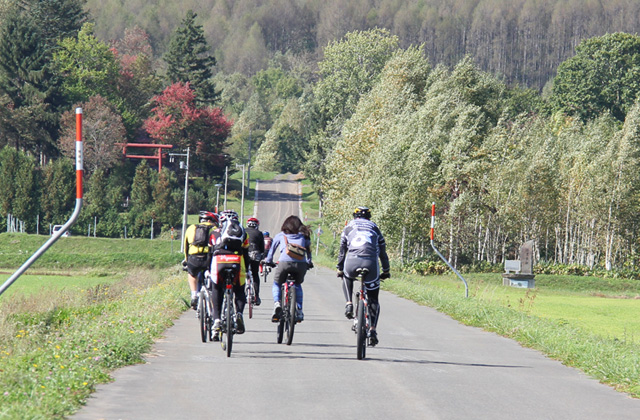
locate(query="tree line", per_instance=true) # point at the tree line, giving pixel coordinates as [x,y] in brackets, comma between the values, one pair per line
[384,128]
[524,41]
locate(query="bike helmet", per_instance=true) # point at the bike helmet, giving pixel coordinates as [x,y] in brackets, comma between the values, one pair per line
[362,212]
[228,214]
[207,216]
[265,233]
[253,223]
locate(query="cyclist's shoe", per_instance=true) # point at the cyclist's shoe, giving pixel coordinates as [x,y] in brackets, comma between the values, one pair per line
[194,303]
[217,325]
[277,312]
[348,310]
[299,316]
[239,324]
[373,338]
[257,301]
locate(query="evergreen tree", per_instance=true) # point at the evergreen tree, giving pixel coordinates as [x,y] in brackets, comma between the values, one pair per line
[188,59]
[58,191]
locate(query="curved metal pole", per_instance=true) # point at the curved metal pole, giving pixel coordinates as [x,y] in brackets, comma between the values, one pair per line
[433,218]
[74,215]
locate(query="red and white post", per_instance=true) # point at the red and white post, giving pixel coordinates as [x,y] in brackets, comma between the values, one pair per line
[74,216]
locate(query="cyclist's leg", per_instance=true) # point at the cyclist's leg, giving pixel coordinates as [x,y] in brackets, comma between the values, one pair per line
[218,291]
[255,274]
[278,278]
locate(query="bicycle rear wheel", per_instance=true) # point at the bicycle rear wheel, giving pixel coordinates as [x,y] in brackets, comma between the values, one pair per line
[202,317]
[228,310]
[250,298]
[290,317]
[361,332]
[281,322]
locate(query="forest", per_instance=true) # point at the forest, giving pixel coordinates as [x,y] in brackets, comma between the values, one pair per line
[518,119]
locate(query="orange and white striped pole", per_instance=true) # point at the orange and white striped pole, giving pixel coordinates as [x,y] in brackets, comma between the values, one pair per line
[433,222]
[72,219]
[79,154]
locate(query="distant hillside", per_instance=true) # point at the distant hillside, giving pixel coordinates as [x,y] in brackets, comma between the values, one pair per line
[523,40]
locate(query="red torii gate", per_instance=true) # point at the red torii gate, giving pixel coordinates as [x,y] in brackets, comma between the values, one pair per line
[157,156]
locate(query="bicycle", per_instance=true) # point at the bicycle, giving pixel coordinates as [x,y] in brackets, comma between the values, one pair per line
[204,310]
[266,269]
[228,321]
[361,325]
[289,309]
[251,296]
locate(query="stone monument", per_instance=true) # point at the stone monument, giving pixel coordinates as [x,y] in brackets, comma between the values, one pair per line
[519,273]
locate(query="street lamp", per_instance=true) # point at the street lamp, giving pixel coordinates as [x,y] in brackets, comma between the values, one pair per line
[218,196]
[185,166]
[242,195]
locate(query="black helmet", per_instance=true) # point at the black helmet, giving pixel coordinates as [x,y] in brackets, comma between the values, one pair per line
[362,212]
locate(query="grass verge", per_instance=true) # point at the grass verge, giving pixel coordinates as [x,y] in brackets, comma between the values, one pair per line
[55,347]
[610,360]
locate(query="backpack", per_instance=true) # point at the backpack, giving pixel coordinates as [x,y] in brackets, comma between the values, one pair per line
[201,237]
[231,236]
[295,251]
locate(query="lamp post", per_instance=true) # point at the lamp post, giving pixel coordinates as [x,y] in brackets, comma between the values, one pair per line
[184,166]
[218,196]
[242,195]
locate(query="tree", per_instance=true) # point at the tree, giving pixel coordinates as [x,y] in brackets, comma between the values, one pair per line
[188,59]
[88,66]
[141,203]
[349,69]
[176,119]
[604,75]
[58,191]
[166,210]
[103,134]
[28,89]
[138,81]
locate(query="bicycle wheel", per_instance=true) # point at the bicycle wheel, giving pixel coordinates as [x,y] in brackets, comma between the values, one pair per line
[250,299]
[292,312]
[281,322]
[361,332]
[229,313]
[202,317]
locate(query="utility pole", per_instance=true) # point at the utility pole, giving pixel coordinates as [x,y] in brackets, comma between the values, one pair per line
[226,180]
[248,167]
[242,196]
[186,192]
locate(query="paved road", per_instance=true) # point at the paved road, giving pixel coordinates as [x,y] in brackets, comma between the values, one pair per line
[427,366]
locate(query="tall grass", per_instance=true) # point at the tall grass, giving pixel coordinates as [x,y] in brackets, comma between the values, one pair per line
[56,347]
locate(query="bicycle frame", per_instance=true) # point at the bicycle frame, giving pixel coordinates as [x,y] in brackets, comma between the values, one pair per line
[289,307]
[204,309]
[361,324]
[228,321]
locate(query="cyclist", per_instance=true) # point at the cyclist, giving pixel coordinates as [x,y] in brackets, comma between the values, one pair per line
[256,253]
[196,251]
[267,241]
[229,246]
[361,244]
[294,243]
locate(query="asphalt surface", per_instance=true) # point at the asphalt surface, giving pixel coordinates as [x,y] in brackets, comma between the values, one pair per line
[427,366]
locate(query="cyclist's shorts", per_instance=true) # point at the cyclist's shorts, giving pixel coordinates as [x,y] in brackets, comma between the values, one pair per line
[219,262]
[196,264]
[351,263]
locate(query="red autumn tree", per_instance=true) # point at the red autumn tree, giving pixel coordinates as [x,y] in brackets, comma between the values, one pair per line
[176,119]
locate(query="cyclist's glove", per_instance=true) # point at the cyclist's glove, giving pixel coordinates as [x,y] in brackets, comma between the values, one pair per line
[310,265]
[340,273]
[184,265]
[385,275]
